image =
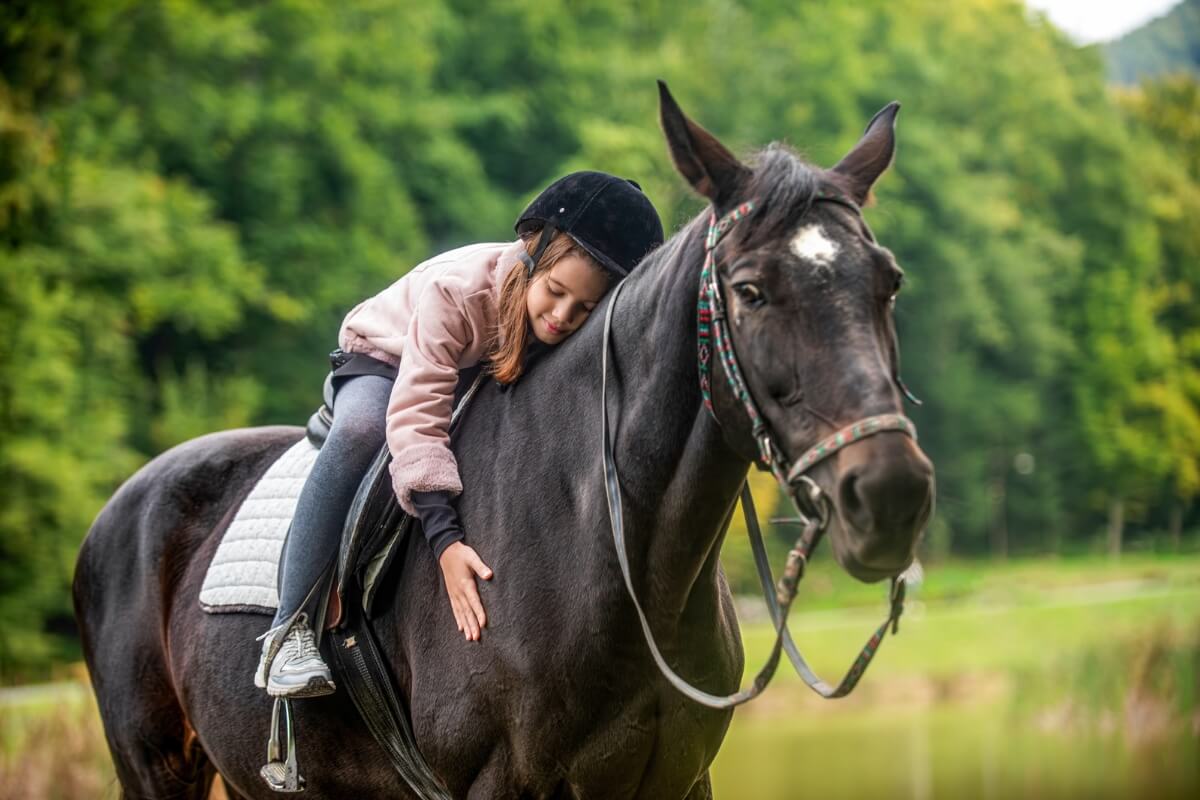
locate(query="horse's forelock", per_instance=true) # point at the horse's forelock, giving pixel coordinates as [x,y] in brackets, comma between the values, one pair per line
[783,188]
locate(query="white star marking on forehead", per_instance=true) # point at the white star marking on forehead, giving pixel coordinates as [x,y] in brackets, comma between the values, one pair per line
[811,244]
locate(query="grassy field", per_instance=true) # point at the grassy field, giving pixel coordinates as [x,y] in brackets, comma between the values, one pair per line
[1076,678]
[52,746]
[968,617]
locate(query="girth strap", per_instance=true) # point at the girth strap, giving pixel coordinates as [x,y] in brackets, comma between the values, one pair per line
[363,670]
[361,665]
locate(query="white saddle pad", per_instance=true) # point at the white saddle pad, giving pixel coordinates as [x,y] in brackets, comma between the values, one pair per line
[242,575]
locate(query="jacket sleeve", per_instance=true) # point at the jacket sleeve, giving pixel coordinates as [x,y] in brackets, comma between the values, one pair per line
[439,520]
[418,415]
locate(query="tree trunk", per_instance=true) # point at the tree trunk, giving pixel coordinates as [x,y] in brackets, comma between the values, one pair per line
[999,521]
[1116,525]
[1175,525]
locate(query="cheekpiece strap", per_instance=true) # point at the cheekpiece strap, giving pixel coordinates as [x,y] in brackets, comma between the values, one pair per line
[710,309]
[718,228]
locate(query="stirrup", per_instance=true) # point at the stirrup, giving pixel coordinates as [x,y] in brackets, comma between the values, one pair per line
[282,775]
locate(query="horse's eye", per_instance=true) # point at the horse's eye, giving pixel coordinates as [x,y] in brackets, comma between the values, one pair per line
[897,284]
[750,294]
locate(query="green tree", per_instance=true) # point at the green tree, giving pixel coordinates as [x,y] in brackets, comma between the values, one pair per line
[98,258]
[1166,110]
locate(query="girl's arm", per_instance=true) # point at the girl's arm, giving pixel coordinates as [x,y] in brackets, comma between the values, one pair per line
[418,424]
[439,520]
[418,415]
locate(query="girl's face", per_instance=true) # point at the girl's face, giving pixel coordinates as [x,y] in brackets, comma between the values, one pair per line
[559,300]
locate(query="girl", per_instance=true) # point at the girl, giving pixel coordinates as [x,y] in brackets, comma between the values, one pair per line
[394,381]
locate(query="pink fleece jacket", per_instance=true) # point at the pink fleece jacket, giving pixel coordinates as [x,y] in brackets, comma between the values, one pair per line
[432,322]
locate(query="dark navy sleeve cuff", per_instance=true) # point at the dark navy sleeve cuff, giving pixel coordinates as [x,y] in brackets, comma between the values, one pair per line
[439,520]
[440,542]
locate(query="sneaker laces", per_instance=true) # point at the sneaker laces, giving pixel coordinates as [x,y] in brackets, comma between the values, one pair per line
[272,631]
[296,629]
[306,643]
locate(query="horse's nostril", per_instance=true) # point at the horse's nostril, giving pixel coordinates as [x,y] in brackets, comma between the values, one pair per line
[849,496]
[884,505]
[853,507]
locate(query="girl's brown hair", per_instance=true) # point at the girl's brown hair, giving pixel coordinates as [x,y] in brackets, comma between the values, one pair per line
[506,349]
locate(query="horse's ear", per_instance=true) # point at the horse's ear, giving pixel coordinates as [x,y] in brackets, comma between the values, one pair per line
[707,164]
[872,155]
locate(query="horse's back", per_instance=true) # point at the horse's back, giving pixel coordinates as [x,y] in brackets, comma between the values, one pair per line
[159,516]
[138,562]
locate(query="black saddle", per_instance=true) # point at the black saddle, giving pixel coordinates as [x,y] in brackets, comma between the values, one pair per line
[375,524]
[372,534]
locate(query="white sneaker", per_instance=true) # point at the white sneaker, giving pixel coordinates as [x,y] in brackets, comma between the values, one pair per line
[264,661]
[297,669]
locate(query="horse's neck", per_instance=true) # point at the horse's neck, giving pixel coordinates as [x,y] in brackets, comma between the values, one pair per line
[679,478]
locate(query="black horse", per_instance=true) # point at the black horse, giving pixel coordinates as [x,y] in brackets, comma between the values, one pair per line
[560,698]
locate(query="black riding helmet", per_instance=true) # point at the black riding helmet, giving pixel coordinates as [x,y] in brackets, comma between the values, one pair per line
[610,217]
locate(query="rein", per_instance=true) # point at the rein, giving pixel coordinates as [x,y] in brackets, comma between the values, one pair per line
[817,507]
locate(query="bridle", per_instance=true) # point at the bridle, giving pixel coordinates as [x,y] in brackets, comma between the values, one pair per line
[813,506]
[712,328]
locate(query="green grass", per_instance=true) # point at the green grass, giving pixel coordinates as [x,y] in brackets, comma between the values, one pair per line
[827,586]
[947,750]
[969,617]
[52,746]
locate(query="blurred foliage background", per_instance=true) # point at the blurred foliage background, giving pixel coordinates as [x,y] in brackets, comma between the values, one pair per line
[192,195]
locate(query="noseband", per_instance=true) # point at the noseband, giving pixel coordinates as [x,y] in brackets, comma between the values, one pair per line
[813,506]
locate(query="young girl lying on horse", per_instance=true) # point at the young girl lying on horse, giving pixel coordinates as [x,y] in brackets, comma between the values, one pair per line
[405,346]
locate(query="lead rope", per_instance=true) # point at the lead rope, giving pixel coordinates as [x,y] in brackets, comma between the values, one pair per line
[779,598]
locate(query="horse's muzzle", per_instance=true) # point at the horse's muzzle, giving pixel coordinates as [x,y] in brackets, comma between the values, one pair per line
[884,498]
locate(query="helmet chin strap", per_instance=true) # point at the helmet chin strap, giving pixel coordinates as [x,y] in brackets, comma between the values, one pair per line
[549,230]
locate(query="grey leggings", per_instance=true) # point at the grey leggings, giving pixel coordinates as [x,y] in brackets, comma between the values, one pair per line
[354,440]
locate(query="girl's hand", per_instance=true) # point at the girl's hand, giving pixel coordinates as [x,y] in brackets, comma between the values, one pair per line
[460,564]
